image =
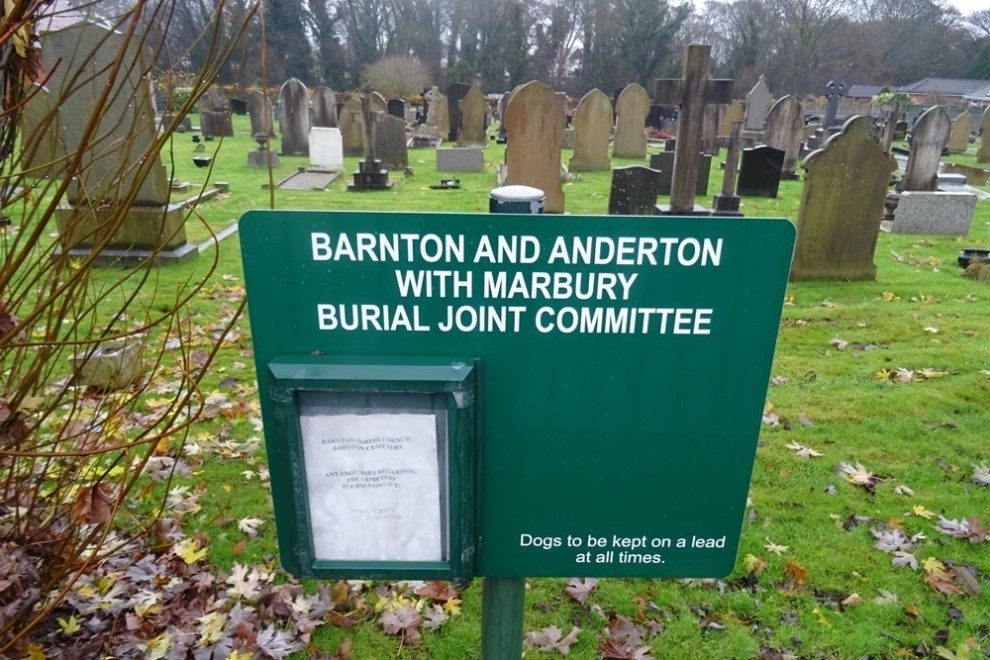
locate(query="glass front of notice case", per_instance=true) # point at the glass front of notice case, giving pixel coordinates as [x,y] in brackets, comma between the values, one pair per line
[373,466]
[376,475]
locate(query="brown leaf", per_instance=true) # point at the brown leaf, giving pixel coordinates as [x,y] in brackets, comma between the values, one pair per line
[942,584]
[239,548]
[93,505]
[579,590]
[796,572]
[437,590]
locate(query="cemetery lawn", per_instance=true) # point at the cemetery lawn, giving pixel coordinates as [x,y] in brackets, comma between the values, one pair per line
[866,531]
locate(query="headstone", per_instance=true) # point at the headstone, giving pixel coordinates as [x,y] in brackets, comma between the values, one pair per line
[757,102]
[692,92]
[567,139]
[949,213]
[472,119]
[709,133]
[214,116]
[293,99]
[890,126]
[654,119]
[326,149]
[324,108]
[378,103]
[631,108]
[664,161]
[534,124]
[390,145]
[962,126]
[726,203]
[592,132]
[460,159]
[397,108]
[502,104]
[261,158]
[40,146]
[900,129]
[930,134]
[123,159]
[370,175]
[975,176]
[437,114]
[734,112]
[411,115]
[983,155]
[260,111]
[351,132]
[834,90]
[634,190]
[783,131]
[841,206]
[759,173]
[455,94]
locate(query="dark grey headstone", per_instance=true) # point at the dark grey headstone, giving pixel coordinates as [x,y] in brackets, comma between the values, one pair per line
[455,94]
[759,172]
[397,108]
[215,123]
[634,190]
[293,100]
[664,161]
[390,142]
[655,118]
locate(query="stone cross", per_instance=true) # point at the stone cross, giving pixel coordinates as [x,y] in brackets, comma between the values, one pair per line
[888,130]
[368,120]
[692,92]
[833,92]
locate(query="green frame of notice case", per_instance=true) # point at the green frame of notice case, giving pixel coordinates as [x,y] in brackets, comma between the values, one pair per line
[454,379]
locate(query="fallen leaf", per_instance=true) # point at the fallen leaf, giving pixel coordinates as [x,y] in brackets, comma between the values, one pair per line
[579,590]
[549,639]
[402,621]
[189,550]
[981,474]
[774,548]
[904,490]
[249,526]
[920,510]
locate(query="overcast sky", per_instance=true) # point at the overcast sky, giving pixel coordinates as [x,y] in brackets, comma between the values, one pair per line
[968,6]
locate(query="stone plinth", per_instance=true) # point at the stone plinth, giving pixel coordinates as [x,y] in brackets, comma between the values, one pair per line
[934,213]
[459,159]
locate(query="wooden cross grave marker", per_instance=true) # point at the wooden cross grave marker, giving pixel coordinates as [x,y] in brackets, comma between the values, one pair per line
[691,92]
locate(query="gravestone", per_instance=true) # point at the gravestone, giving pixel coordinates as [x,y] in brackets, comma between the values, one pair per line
[397,108]
[834,90]
[634,190]
[567,139]
[324,108]
[349,123]
[437,114]
[123,159]
[962,126]
[726,203]
[900,129]
[40,146]
[534,123]
[757,102]
[390,142]
[759,172]
[975,176]
[370,175]
[260,111]
[692,92]
[502,104]
[785,122]
[631,108]
[455,94]
[262,157]
[654,119]
[460,159]
[983,155]
[326,149]
[709,133]
[664,161]
[734,112]
[890,125]
[947,213]
[378,103]
[841,206]
[293,100]
[214,116]
[592,132]
[930,134]
[472,119]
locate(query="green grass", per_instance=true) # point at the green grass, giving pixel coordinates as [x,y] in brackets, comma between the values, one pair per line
[901,431]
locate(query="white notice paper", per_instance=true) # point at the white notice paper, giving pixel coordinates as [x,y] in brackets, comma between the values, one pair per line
[374,486]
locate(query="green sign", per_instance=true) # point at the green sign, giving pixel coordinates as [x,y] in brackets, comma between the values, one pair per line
[605,376]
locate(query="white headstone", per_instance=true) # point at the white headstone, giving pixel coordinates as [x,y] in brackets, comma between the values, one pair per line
[326,148]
